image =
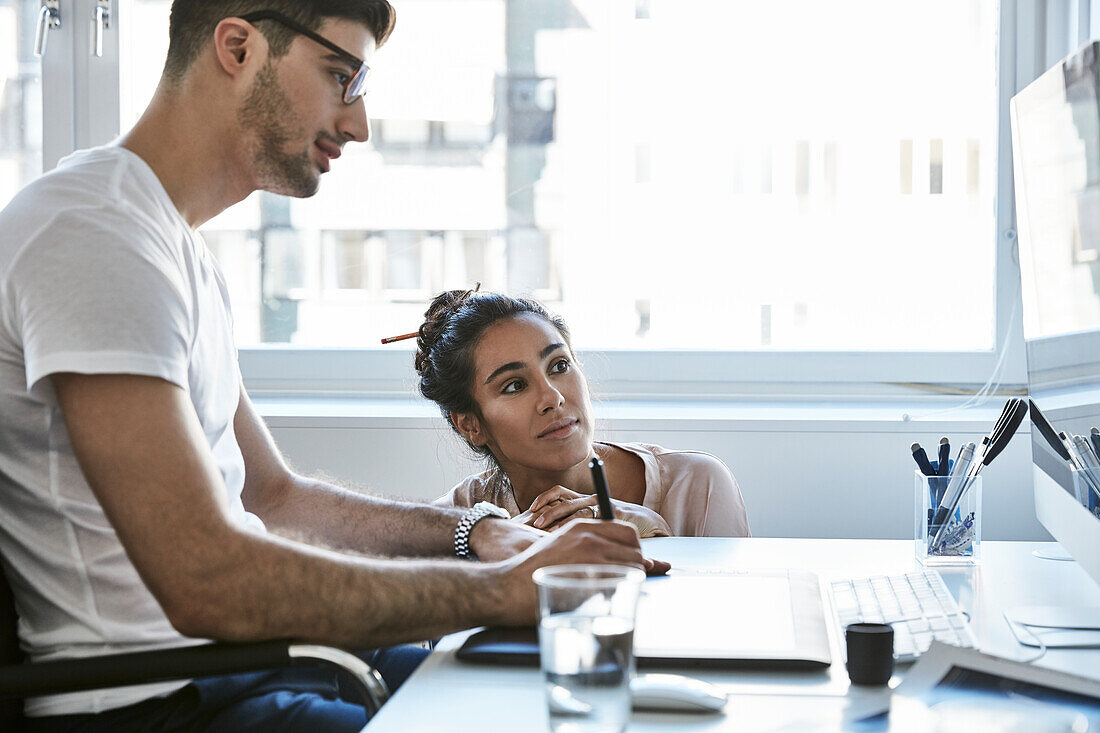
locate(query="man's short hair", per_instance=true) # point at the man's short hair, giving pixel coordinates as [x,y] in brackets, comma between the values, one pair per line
[192,23]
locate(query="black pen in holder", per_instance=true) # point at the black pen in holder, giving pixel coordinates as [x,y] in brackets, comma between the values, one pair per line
[603,495]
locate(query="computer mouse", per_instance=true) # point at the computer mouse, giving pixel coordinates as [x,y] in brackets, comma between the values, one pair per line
[675,692]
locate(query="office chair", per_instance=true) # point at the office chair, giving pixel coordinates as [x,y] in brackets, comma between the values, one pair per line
[20,679]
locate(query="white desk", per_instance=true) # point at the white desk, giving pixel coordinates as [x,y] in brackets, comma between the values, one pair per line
[444,694]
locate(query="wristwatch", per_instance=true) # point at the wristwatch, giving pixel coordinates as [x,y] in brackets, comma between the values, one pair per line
[465,526]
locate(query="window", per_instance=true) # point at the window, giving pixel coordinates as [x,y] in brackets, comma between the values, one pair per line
[397,220]
[20,99]
[733,179]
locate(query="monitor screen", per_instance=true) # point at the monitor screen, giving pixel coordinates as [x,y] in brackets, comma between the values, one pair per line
[1056,167]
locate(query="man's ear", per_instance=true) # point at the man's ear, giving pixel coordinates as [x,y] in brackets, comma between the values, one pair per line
[469,427]
[236,44]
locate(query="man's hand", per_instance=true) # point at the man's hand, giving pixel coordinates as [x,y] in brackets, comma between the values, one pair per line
[583,541]
[493,540]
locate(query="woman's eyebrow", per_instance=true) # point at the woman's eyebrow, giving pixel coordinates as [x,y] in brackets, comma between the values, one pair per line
[550,350]
[512,365]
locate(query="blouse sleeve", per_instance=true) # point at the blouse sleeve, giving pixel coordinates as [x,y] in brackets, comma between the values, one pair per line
[458,497]
[703,498]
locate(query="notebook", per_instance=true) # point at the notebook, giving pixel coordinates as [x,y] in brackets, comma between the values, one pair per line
[725,619]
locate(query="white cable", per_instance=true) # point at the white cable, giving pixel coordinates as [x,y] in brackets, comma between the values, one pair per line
[1039,642]
[989,389]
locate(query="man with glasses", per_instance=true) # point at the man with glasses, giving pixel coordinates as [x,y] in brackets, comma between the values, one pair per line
[143,504]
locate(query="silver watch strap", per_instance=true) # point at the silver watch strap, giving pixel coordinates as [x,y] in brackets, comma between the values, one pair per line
[466,526]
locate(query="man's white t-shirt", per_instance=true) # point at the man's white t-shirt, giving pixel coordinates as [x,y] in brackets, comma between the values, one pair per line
[99,274]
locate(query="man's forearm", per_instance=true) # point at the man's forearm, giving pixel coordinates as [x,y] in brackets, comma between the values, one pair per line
[319,513]
[269,587]
[240,586]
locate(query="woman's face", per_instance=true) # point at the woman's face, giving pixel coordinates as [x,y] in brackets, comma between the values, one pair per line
[534,402]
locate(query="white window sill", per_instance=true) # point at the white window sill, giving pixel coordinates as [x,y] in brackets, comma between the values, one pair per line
[848,416]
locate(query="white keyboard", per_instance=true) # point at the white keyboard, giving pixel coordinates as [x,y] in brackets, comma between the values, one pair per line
[916,604]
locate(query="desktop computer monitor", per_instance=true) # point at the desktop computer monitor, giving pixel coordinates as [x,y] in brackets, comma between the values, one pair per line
[1056,167]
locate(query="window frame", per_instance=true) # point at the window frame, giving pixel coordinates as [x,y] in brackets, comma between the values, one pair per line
[80,91]
[81,107]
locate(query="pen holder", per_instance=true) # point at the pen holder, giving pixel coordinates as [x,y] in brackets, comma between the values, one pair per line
[960,540]
[1086,487]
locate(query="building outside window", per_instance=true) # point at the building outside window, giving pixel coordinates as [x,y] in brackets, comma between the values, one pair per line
[670,174]
[724,178]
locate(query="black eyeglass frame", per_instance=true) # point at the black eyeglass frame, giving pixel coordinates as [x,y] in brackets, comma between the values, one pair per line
[353,87]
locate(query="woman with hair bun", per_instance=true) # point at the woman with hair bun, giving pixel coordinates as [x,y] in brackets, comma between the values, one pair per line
[504,375]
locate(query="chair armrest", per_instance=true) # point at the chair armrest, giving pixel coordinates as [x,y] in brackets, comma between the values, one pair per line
[206,660]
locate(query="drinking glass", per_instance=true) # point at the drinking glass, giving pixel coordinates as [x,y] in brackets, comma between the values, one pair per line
[586,644]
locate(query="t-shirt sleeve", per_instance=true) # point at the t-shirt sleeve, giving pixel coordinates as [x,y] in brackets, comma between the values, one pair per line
[703,498]
[96,293]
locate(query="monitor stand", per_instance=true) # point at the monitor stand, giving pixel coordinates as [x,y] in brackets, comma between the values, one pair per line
[1054,553]
[1056,626]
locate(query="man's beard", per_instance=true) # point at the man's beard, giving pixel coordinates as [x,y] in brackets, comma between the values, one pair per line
[266,113]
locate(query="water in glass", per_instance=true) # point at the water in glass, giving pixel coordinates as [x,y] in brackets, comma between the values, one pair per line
[588,665]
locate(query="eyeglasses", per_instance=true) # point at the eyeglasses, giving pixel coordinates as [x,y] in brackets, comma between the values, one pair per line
[353,87]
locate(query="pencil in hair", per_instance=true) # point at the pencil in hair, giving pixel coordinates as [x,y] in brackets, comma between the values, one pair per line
[402,337]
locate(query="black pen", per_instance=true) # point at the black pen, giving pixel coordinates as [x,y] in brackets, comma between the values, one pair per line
[607,512]
[945,458]
[922,460]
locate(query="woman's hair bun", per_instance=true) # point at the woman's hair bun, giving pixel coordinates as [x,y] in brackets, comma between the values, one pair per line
[436,318]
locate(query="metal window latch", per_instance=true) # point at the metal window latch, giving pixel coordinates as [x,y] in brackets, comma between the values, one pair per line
[101,21]
[49,16]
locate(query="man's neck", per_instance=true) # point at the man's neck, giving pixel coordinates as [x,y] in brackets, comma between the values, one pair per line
[193,152]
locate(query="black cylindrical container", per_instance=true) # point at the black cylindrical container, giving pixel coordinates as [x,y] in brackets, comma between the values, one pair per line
[870,653]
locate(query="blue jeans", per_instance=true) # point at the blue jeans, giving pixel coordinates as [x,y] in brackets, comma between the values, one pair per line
[290,700]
